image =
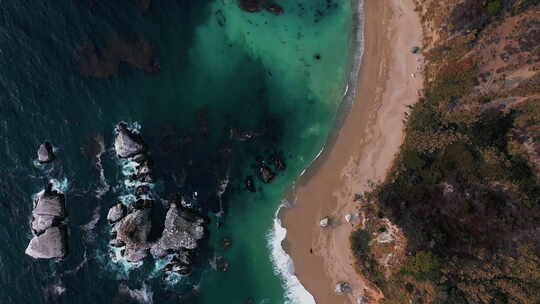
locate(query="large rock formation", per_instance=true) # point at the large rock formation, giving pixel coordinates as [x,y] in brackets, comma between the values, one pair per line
[50,244]
[132,223]
[49,239]
[133,231]
[45,153]
[182,231]
[127,143]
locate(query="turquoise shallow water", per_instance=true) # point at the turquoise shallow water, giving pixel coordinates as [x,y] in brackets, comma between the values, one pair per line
[282,76]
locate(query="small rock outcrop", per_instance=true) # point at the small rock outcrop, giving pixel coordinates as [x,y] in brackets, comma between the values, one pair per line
[45,153]
[50,239]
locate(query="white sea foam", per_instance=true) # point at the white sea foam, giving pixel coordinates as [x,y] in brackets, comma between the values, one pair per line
[295,293]
[61,186]
[144,295]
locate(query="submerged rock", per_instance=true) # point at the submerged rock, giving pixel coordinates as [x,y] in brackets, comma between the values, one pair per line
[251,6]
[250,184]
[127,144]
[50,244]
[45,153]
[275,9]
[116,213]
[266,174]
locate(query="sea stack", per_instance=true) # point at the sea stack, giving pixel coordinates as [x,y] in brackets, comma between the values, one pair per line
[45,153]
[49,232]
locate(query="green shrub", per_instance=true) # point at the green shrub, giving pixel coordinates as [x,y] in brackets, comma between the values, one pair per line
[422,265]
[494,7]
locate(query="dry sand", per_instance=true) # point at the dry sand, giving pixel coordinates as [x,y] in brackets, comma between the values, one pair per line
[363,151]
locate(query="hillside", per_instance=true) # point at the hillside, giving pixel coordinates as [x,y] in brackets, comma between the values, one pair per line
[458,218]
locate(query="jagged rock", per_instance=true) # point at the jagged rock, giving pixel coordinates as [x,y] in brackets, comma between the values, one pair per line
[133,230]
[45,153]
[127,144]
[50,244]
[116,213]
[266,174]
[182,231]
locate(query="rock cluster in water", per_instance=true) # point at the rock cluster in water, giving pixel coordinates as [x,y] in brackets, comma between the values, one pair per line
[132,224]
[50,238]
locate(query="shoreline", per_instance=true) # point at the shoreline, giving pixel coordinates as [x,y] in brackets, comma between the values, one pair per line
[361,148]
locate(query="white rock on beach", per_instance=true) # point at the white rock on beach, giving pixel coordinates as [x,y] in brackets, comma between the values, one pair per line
[324,222]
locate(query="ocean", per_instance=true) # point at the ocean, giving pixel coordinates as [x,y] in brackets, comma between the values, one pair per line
[192,75]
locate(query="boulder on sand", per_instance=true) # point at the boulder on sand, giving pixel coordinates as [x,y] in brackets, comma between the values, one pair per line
[45,153]
[50,244]
[127,144]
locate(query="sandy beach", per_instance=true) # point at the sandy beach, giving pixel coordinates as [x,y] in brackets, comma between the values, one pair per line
[362,152]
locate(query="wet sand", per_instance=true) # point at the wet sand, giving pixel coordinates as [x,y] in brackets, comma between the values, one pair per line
[362,152]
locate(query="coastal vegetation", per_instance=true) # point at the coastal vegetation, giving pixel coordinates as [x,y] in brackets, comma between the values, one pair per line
[465,187]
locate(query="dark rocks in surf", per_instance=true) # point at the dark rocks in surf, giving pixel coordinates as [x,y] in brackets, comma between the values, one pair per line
[251,6]
[116,213]
[222,265]
[277,160]
[50,238]
[265,173]
[45,153]
[249,183]
[180,263]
